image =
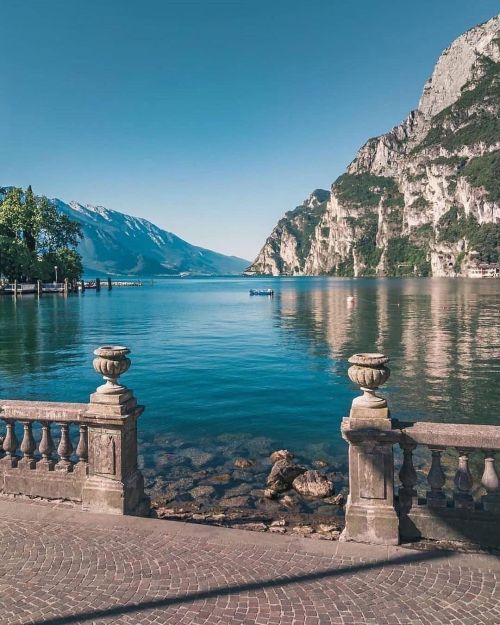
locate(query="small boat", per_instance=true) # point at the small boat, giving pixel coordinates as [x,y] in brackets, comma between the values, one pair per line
[262,292]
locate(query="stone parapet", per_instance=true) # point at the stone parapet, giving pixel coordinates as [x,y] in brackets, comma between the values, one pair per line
[95,461]
[374,512]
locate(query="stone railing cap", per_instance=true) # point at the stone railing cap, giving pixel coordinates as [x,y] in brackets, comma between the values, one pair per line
[458,435]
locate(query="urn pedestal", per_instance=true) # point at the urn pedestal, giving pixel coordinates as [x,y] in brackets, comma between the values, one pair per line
[370,513]
[115,483]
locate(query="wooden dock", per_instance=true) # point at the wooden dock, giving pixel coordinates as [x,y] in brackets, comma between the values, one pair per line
[38,288]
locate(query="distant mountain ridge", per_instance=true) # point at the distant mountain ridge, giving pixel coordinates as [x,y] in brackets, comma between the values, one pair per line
[118,244]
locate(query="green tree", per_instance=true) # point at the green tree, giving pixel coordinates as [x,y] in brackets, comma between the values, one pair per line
[15,259]
[36,237]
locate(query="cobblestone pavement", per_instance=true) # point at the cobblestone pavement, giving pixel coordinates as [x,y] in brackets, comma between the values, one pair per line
[62,567]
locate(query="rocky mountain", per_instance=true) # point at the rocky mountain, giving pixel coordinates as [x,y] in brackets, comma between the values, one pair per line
[117,244]
[422,199]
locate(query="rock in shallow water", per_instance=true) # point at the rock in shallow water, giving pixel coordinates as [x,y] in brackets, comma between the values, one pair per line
[278,523]
[236,502]
[313,484]
[321,464]
[202,491]
[197,456]
[243,463]
[236,491]
[339,500]
[288,502]
[282,475]
[253,527]
[281,454]
[223,478]
[302,529]
[328,527]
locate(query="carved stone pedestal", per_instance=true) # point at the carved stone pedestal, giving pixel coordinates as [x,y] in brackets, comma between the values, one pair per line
[114,484]
[370,513]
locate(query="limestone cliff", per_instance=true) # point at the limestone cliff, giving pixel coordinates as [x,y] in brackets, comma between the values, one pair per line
[423,199]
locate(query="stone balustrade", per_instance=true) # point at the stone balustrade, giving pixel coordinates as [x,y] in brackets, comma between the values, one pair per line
[447,509]
[85,453]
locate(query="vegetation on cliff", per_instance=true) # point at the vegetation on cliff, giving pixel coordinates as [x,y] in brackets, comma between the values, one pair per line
[473,117]
[35,238]
[484,171]
[301,223]
[483,238]
[366,190]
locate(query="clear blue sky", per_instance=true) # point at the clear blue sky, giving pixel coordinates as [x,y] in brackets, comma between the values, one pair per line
[210,118]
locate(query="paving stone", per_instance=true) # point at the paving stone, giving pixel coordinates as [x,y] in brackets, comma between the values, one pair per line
[61,567]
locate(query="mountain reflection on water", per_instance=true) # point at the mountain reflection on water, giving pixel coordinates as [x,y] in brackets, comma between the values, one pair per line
[442,337]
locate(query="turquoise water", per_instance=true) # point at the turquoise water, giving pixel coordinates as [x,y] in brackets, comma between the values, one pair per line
[209,361]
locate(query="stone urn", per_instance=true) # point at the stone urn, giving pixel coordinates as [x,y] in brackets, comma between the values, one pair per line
[369,372]
[111,362]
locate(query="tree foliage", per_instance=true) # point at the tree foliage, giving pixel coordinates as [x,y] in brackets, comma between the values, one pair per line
[406,258]
[35,237]
[484,171]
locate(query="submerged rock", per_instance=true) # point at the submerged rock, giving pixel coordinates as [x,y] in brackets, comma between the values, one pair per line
[202,491]
[313,484]
[223,478]
[243,463]
[182,484]
[320,464]
[236,491]
[197,456]
[236,502]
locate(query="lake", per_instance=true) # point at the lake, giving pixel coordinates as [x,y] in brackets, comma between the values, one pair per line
[224,374]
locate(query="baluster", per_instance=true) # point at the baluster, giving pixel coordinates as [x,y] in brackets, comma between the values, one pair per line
[436,480]
[46,448]
[463,482]
[408,476]
[28,446]
[491,482]
[82,450]
[65,449]
[10,444]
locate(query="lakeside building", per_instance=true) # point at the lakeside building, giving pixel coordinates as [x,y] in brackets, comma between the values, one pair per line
[484,270]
